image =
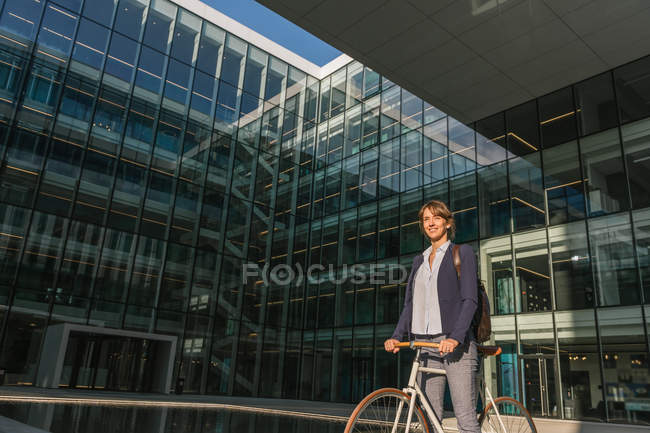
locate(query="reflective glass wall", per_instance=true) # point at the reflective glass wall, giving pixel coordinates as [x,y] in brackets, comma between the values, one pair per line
[150,160]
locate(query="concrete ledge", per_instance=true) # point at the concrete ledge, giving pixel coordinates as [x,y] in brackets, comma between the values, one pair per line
[8,425]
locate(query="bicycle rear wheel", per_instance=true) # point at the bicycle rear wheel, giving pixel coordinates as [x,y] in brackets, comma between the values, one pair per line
[383,409]
[512,417]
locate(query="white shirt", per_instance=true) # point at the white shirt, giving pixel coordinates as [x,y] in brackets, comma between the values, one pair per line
[426,308]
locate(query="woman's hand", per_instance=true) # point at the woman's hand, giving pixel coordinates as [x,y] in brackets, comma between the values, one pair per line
[389,345]
[447,345]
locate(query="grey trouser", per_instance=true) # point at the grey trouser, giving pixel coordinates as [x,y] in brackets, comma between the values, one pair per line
[462,367]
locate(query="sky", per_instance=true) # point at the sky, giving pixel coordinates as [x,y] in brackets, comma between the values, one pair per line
[281,31]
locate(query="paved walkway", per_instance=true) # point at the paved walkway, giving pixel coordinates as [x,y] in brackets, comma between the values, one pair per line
[333,412]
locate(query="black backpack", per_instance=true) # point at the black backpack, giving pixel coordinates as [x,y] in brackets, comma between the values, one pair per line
[481,323]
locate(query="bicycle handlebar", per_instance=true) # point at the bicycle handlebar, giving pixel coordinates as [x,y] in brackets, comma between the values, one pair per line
[485,350]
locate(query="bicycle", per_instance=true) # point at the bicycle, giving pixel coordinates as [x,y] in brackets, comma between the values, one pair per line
[384,410]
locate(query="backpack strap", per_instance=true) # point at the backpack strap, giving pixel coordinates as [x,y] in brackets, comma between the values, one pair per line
[456,253]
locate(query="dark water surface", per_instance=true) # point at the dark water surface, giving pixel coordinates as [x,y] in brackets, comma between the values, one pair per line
[79,418]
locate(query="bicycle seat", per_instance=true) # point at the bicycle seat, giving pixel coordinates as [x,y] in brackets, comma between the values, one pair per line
[489,350]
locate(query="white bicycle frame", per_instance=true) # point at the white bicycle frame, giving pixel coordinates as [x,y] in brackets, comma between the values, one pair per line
[414,391]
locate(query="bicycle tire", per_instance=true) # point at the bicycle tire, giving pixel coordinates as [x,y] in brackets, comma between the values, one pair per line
[376,413]
[514,418]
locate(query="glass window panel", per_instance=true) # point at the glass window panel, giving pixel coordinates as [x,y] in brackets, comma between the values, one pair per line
[227,108]
[338,92]
[636,146]
[236,226]
[632,90]
[371,82]
[367,232]
[490,140]
[138,139]
[233,60]
[175,287]
[410,235]
[130,17]
[113,274]
[275,81]
[411,161]
[527,191]
[557,118]
[270,131]
[160,20]
[57,30]
[603,170]
[641,221]
[177,85]
[368,180]
[532,271]
[463,205]
[311,99]
[435,151]
[370,122]
[352,131]
[389,240]
[335,144]
[462,149]
[389,153]
[168,142]
[42,252]
[77,103]
[94,187]
[108,124]
[390,114]
[625,362]
[333,189]
[255,69]
[350,188]
[266,165]
[614,265]
[203,97]
[354,87]
[128,192]
[80,258]
[100,11]
[496,271]
[148,79]
[13,222]
[203,296]
[157,205]
[209,49]
[196,149]
[523,129]
[431,113]
[185,213]
[210,234]
[563,184]
[296,81]
[579,365]
[325,99]
[11,69]
[493,200]
[595,104]
[59,178]
[20,18]
[41,96]
[146,272]
[572,278]
[411,111]
[121,59]
[218,163]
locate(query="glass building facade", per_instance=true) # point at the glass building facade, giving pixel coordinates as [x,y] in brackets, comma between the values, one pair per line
[148,156]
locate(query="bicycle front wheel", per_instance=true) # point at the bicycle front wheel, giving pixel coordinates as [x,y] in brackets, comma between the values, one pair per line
[506,415]
[386,411]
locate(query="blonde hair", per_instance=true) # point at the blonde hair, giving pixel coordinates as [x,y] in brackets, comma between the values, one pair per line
[438,208]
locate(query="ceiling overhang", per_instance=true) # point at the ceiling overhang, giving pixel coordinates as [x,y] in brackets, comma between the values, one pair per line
[474,58]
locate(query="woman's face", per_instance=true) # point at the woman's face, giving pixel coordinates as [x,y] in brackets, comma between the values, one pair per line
[435,227]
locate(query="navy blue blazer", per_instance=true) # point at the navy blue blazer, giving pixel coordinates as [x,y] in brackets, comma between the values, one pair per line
[458,299]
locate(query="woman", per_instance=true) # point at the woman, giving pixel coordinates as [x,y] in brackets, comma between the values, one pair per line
[439,307]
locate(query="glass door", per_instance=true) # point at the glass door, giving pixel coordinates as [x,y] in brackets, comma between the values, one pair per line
[539,385]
